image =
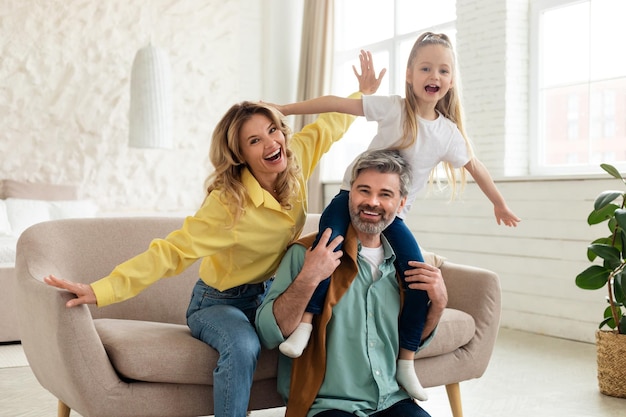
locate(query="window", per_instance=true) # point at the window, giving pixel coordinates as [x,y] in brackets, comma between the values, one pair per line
[388,29]
[572,117]
[578,91]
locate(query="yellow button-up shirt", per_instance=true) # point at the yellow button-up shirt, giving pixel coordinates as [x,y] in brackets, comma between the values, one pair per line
[248,252]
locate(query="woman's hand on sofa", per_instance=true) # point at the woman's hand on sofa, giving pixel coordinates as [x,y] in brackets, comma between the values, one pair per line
[83,292]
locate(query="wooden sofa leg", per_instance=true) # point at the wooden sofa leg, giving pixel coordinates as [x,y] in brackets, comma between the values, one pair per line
[63,410]
[454,397]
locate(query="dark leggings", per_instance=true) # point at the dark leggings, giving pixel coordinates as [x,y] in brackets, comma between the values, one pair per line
[404,408]
[413,316]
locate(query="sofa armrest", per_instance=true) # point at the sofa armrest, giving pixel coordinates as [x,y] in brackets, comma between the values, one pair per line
[46,325]
[475,291]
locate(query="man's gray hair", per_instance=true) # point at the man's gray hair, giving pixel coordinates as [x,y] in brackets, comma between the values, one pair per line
[385,161]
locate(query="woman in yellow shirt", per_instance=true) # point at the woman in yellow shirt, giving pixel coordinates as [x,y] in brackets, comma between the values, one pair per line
[255,206]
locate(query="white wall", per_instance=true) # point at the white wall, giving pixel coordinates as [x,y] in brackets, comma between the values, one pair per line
[64,90]
[537,262]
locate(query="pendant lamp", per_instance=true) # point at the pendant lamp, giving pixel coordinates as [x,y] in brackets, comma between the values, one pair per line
[150,116]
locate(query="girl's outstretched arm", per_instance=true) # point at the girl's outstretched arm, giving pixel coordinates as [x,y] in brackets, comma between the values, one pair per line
[368,84]
[324,104]
[481,175]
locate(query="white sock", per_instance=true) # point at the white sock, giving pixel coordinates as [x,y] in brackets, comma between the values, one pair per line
[406,377]
[297,341]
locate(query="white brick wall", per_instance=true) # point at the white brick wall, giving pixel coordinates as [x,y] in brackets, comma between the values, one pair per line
[516,98]
[64,93]
[493,59]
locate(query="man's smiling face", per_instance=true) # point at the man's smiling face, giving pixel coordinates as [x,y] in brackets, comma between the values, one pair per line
[375,200]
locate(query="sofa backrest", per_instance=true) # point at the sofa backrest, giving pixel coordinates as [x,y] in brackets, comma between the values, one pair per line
[84,250]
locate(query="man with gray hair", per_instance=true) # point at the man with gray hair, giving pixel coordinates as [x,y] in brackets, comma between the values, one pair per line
[349,365]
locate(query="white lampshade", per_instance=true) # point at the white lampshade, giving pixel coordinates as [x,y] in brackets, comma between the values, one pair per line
[150,114]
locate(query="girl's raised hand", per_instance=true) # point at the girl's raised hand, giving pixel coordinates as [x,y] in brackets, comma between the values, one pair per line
[368,82]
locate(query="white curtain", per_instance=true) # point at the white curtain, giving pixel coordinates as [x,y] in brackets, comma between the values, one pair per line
[316,62]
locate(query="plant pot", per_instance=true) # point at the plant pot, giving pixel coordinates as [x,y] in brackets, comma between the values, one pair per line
[611,350]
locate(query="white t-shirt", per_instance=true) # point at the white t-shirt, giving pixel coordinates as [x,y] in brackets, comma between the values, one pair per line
[374,258]
[437,141]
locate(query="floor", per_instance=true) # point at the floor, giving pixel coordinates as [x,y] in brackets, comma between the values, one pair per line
[529,375]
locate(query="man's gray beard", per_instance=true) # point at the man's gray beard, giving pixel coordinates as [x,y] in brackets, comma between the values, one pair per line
[368,227]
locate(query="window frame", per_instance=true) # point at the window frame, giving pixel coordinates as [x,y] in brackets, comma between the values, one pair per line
[537,115]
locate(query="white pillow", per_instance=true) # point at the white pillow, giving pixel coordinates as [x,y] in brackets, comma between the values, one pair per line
[24,213]
[5,226]
[72,209]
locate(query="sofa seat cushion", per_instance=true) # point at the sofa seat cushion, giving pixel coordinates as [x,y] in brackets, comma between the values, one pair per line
[164,352]
[456,328]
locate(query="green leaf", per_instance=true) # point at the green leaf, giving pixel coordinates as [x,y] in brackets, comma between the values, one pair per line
[603,240]
[620,216]
[611,225]
[601,214]
[612,171]
[618,288]
[606,197]
[612,264]
[593,278]
[608,317]
[606,252]
[620,237]
[607,322]
[622,325]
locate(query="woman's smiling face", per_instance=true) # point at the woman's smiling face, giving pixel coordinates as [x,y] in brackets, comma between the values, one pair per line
[262,145]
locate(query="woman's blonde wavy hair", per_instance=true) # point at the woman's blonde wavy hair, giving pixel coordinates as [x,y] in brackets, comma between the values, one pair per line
[450,106]
[226,156]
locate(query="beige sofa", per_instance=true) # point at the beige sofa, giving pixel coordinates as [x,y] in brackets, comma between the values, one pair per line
[137,358]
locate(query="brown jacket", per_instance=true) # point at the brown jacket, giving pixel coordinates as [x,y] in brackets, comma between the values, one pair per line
[307,371]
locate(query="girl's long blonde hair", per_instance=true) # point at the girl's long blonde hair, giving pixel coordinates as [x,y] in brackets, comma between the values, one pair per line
[450,106]
[226,156]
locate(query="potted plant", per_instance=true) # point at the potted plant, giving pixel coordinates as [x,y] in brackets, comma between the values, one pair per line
[609,270]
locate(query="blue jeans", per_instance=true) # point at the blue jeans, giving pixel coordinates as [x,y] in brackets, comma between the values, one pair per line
[225,321]
[415,308]
[404,408]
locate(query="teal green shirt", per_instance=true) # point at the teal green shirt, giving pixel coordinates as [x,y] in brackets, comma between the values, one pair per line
[362,338]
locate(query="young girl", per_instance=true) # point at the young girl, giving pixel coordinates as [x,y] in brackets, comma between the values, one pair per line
[427,128]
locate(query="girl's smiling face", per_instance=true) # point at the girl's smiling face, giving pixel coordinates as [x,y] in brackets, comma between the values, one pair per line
[430,74]
[262,145]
